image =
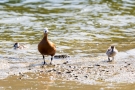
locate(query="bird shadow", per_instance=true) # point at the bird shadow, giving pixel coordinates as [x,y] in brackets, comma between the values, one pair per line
[40,65]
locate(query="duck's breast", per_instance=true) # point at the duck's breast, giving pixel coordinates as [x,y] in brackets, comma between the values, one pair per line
[46,48]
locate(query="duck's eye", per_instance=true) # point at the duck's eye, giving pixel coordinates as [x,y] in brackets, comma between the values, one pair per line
[46,30]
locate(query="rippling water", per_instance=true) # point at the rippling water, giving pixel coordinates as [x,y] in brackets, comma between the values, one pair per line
[77,27]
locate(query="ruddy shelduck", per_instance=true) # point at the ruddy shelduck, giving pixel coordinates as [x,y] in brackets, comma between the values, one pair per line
[18,46]
[46,47]
[111,52]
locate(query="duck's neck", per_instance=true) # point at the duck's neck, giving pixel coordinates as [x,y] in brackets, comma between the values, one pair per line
[45,37]
[112,49]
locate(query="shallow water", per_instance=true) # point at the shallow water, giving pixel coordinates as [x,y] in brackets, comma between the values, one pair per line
[30,81]
[78,28]
[43,82]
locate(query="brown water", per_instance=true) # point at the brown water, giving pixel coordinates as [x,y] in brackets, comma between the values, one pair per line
[30,81]
[77,27]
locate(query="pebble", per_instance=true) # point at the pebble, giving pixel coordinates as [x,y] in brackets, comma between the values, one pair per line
[97,65]
[68,72]
[75,76]
[41,71]
[58,72]
[90,67]
[49,70]
[86,76]
[65,62]
[54,69]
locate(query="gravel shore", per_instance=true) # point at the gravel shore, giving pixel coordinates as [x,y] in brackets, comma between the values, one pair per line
[88,70]
[95,70]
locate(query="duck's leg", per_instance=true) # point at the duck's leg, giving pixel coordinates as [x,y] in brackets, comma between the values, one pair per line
[112,58]
[109,59]
[44,60]
[51,60]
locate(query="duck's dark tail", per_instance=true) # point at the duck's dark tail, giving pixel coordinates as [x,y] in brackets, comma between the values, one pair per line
[61,56]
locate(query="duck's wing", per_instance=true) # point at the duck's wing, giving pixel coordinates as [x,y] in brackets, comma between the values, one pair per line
[52,44]
[108,52]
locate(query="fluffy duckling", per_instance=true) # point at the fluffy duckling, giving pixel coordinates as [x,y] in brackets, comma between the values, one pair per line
[18,46]
[111,52]
[45,47]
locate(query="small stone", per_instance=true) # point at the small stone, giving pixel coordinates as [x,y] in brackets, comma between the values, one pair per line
[54,69]
[90,67]
[58,64]
[129,64]
[41,71]
[86,76]
[120,68]
[72,70]
[102,70]
[58,72]
[97,65]
[68,72]
[42,66]
[49,70]
[74,67]
[75,76]
[65,62]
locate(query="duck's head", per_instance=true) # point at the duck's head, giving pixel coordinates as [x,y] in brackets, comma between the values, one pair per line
[112,46]
[46,30]
[16,45]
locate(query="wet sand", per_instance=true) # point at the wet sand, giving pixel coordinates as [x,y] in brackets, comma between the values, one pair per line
[93,72]
[31,81]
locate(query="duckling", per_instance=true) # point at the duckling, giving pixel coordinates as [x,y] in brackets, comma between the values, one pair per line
[46,47]
[18,46]
[111,52]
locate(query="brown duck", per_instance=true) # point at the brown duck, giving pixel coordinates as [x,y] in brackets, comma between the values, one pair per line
[45,47]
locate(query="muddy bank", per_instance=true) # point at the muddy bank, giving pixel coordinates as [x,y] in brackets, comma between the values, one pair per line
[90,70]
[47,81]
[95,70]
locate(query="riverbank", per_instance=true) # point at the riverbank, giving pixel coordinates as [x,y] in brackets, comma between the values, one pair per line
[90,70]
